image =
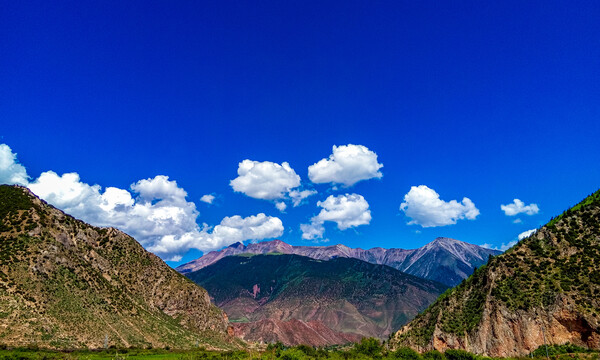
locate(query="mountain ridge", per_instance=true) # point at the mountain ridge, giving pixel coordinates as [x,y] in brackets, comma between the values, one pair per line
[351,297]
[444,260]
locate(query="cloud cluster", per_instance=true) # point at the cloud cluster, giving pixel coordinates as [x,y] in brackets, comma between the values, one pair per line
[11,172]
[424,206]
[347,165]
[231,230]
[154,211]
[519,207]
[349,210]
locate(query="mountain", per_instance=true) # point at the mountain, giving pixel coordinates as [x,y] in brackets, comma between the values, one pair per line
[443,260]
[351,297]
[66,284]
[546,289]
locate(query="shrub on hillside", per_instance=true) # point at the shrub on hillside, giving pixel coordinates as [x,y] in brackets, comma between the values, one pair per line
[406,353]
[459,355]
[433,355]
[370,347]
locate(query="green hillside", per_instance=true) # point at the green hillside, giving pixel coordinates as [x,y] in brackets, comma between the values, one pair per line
[552,276]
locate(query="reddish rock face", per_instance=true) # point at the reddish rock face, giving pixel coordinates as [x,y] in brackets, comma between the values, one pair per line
[268,296]
[292,332]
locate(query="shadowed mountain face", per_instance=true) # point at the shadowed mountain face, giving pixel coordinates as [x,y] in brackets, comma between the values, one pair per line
[546,289]
[343,294]
[66,284]
[443,260]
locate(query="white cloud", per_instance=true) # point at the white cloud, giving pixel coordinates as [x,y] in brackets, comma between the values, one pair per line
[502,247]
[208,198]
[281,206]
[298,196]
[346,211]
[519,207]
[231,230]
[517,221]
[510,244]
[312,231]
[11,172]
[526,234]
[347,165]
[424,206]
[270,181]
[265,180]
[155,212]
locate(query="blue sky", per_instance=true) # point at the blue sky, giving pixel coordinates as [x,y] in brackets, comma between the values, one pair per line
[490,101]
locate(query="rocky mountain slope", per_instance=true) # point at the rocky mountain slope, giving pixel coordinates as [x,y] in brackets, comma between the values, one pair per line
[66,284]
[546,289]
[346,295]
[443,260]
[292,332]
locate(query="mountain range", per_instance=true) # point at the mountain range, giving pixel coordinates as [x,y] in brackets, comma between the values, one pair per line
[444,260]
[65,284]
[342,298]
[544,290]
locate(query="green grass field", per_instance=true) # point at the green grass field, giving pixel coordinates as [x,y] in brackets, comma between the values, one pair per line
[366,349]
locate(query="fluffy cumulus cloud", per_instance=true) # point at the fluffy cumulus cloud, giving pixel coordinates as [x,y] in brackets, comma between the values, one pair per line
[154,211]
[265,180]
[349,210]
[11,172]
[347,165]
[526,234]
[208,198]
[424,206]
[270,181]
[519,207]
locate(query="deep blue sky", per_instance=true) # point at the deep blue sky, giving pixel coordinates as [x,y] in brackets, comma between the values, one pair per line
[488,100]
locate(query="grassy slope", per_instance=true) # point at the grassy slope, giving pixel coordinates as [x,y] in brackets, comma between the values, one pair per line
[65,293]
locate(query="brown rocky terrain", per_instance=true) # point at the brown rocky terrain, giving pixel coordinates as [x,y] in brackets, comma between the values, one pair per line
[443,260]
[345,295]
[66,284]
[546,289]
[292,332]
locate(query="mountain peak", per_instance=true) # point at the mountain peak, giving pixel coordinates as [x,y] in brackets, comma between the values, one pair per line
[236,245]
[442,239]
[275,241]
